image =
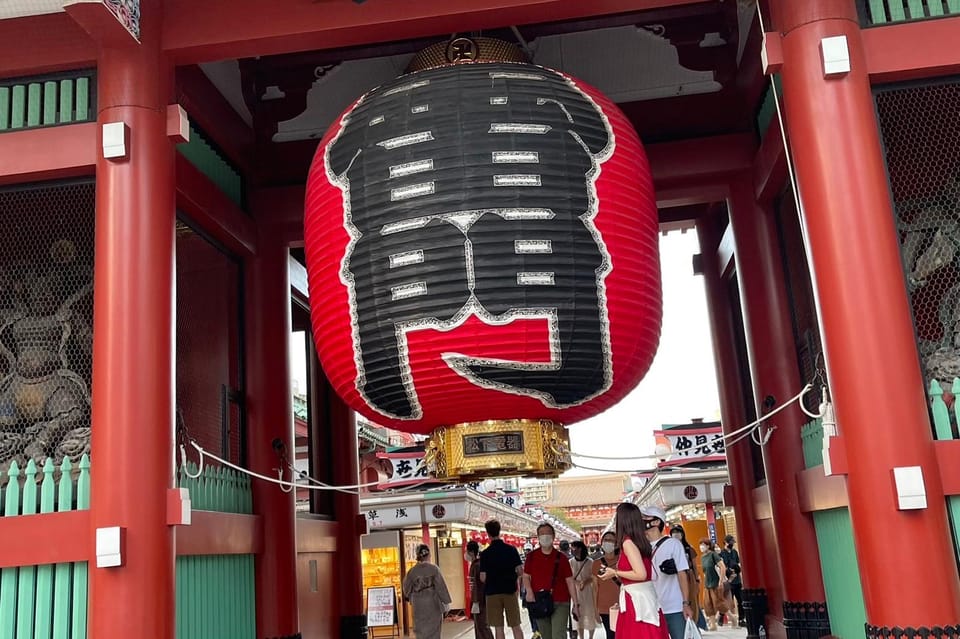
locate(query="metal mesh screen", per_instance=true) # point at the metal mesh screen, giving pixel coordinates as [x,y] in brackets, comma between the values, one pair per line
[806,330]
[208,345]
[46,321]
[921,136]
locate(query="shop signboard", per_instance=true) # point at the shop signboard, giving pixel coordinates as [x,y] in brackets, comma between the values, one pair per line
[445,512]
[381,607]
[405,469]
[394,516]
[688,446]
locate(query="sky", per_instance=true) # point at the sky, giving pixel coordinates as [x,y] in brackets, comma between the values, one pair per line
[680,386]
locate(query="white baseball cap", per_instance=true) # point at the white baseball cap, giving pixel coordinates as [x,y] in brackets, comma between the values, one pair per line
[655,512]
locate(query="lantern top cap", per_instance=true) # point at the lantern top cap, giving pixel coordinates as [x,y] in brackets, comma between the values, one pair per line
[467,50]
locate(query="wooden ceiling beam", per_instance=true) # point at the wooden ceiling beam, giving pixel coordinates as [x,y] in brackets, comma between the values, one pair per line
[223,29]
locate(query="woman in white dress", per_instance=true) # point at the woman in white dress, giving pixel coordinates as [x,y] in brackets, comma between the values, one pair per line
[582,567]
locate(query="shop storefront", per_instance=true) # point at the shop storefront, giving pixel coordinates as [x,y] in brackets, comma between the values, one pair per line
[443,519]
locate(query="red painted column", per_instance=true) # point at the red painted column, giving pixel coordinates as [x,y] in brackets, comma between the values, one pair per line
[864,316]
[346,472]
[133,364]
[776,374]
[760,570]
[269,424]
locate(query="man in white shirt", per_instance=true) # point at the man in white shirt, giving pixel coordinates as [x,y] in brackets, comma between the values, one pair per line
[669,567]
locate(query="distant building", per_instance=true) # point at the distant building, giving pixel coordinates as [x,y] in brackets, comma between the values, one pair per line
[589,501]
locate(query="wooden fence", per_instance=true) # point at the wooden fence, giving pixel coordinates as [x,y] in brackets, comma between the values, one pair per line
[48,601]
[946,428]
[216,597]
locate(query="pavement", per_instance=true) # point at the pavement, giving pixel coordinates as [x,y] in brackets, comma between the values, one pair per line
[464,630]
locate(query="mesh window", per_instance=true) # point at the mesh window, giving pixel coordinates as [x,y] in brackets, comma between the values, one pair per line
[46,321]
[208,345]
[806,330]
[921,136]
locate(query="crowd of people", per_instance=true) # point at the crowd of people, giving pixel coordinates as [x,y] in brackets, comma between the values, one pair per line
[645,581]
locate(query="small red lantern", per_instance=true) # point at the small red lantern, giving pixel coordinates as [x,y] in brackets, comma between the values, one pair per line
[481,242]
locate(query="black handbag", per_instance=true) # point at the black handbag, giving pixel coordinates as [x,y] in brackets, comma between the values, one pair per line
[542,606]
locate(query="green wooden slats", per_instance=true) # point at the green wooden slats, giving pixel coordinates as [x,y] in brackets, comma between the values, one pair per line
[218,489]
[216,593]
[841,573]
[18,107]
[78,617]
[8,576]
[838,556]
[63,577]
[27,574]
[44,605]
[213,165]
[887,11]
[215,597]
[44,101]
[34,103]
[45,602]
[811,435]
[944,429]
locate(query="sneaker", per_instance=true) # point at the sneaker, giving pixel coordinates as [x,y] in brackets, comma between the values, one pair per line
[536,635]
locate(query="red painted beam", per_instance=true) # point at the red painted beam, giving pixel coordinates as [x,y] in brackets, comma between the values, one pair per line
[212,211]
[770,164]
[221,29]
[208,108]
[816,491]
[316,535]
[761,503]
[688,161]
[39,539]
[912,50]
[97,20]
[948,452]
[49,153]
[42,44]
[212,533]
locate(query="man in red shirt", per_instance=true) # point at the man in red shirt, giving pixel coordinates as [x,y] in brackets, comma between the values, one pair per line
[548,569]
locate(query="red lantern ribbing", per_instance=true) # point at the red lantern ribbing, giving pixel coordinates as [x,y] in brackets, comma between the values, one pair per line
[481,242]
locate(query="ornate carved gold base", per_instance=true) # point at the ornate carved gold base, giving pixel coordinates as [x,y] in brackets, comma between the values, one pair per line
[498,448]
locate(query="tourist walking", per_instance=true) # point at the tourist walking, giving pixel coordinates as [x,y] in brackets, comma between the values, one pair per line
[478,607]
[714,573]
[640,616]
[607,593]
[670,572]
[427,593]
[731,558]
[500,569]
[582,568]
[547,576]
[693,576]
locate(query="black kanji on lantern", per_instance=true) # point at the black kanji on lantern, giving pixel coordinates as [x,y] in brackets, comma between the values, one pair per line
[469,189]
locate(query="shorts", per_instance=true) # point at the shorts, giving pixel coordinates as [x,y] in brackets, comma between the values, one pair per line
[500,605]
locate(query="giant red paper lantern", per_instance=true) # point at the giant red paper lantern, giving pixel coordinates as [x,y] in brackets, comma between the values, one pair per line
[481,242]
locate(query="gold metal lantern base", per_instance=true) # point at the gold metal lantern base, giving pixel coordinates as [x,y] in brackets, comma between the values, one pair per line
[498,448]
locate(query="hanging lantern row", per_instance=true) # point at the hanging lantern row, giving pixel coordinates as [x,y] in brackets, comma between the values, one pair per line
[481,240]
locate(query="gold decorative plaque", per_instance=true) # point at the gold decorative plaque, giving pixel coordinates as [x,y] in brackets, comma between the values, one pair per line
[498,448]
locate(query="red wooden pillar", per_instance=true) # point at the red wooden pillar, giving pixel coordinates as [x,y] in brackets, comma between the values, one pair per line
[133,372]
[346,472]
[760,571]
[775,373]
[864,315]
[269,428]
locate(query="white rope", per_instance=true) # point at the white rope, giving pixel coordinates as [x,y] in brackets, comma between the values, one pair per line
[736,436]
[287,485]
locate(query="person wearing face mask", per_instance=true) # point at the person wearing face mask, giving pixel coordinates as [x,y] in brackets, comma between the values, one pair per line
[714,602]
[478,607]
[606,593]
[693,577]
[670,572]
[582,567]
[548,572]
